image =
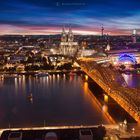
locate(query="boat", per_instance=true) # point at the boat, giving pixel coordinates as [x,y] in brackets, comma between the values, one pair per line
[41,74]
[30,97]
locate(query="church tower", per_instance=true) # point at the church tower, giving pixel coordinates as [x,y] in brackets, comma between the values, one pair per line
[64,35]
[67,44]
[70,35]
[134,36]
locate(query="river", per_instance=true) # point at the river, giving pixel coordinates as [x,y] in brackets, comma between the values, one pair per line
[54,100]
[133,80]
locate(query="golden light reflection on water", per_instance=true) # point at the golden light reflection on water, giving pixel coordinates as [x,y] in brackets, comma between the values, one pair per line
[64,77]
[97,104]
[23,83]
[86,87]
[30,83]
[1,81]
[37,84]
[20,83]
[47,79]
[58,76]
[86,77]
[16,85]
[105,108]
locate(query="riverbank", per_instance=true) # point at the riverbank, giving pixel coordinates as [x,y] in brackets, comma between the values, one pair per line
[67,133]
[43,71]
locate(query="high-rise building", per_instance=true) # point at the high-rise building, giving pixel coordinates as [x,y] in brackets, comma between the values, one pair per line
[134,36]
[102,31]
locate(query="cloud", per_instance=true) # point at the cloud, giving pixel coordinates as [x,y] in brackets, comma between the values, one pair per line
[90,15]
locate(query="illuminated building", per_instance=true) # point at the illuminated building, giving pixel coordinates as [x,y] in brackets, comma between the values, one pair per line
[67,45]
[107,47]
[134,36]
[84,44]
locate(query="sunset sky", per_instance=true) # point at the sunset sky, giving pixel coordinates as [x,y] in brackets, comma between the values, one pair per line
[84,16]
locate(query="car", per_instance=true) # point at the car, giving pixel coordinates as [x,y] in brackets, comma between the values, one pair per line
[15,136]
[51,136]
[85,134]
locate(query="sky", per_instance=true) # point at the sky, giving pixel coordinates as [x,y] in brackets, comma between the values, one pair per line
[118,17]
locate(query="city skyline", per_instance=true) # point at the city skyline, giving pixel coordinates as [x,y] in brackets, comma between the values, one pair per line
[84,16]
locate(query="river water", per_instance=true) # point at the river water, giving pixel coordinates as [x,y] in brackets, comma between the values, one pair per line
[54,100]
[133,80]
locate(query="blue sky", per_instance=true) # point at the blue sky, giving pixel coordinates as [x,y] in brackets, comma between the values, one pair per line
[85,16]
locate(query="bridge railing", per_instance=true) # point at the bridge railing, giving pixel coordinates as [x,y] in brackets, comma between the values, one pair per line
[127,96]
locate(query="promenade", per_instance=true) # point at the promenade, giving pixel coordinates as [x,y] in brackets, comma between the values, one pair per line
[99,132]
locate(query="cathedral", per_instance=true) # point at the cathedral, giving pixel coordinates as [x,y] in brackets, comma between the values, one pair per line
[67,45]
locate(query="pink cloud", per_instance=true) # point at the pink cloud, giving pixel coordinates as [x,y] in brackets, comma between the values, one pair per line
[9,29]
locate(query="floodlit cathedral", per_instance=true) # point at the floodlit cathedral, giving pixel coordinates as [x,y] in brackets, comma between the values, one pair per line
[67,45]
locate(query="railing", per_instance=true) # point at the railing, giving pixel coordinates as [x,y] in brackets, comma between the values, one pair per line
[127,98]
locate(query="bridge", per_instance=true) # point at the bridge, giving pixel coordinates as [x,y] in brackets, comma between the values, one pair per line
[110,80]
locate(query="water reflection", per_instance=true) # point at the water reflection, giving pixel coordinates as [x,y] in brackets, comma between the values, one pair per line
[103,109]
[58,99]
[132,80]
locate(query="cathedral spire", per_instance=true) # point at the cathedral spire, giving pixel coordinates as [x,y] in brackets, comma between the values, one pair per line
[63,29]
[64,35]
[67,45]
[70,30]
[70,35]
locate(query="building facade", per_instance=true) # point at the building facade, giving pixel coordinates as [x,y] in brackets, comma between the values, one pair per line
[68,46]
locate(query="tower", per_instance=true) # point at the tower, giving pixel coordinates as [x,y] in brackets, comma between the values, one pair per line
[64,35]
[102,31]
[67,45]
[134,36]
[70,35]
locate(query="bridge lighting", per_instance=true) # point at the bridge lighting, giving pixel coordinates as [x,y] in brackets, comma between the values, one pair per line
[105,108]
[115,63]
[133,130]
[86,77]
[125,122]
[105,98]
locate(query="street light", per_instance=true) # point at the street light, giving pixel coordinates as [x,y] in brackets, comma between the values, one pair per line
[133,130]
